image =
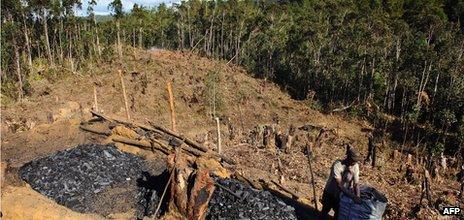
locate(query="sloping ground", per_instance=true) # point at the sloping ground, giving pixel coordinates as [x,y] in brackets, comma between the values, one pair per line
[48,122]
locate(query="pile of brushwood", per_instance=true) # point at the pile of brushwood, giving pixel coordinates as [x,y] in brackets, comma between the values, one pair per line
[94,179]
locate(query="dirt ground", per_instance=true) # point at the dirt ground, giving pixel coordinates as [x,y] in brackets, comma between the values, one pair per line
[49,120]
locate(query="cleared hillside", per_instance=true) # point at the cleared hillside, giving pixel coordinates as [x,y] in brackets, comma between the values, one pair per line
[48,121]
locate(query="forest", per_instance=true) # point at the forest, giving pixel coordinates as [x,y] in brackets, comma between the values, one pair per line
[398,63]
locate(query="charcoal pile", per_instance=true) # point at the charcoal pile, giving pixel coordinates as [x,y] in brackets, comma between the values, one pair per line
[252,204]
[94,178]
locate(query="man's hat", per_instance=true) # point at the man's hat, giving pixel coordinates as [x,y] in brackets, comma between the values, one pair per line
[353,155]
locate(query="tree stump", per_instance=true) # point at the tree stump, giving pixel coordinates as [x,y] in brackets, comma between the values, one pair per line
[409,159]
[410,174]
[395,155]
[179,185]
[425,188]
[269,135]
[443,162]
[200,195]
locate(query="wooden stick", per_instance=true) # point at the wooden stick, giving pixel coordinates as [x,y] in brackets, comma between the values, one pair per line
[171,107]
[165,190]
[218,136]
[95,105]
[128,141]
[126,104]
[279,166]
[313,183]
[294,195]
[227,190]
[252,183]
[95,130]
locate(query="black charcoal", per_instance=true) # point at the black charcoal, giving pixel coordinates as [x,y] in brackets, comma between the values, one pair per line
[253,204]
[92,178]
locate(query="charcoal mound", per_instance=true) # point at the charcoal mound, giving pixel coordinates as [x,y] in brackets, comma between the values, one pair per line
[94,178]
[253,204]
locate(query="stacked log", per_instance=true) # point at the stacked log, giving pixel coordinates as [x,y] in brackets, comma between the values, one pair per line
[162,139]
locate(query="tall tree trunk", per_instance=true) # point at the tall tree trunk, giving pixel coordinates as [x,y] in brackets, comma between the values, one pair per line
[47,40]
[28,44]
[140,35]
[18,70]
[222,37]
[61,41]
[70,48]
[211,31]
[393,93]
[97,38]
[423,83]
[189,28]
[361,76]
[39,51]
[371,81]
[391,101]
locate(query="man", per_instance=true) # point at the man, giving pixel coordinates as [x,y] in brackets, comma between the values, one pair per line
[344,177]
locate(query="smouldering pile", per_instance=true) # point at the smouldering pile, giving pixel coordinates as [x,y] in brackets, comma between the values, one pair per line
[253,204]
[92,178]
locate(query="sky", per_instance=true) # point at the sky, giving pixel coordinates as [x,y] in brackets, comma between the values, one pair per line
[102,5]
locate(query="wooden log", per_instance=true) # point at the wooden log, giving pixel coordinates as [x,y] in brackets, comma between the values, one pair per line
[126,104]
[191,150]
[252,183]
[185,139]
[124,122]
[161,144]
[95,130]
[128,141]
[294,195]
[161,130]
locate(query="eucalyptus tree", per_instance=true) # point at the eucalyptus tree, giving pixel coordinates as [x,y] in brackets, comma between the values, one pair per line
[116,7]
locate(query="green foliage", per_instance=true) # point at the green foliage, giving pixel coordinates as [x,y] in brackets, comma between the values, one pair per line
[461,131]
[116,7]
[446,117]
[356,111]
[388,53]
[108,53]
[315,105]
[435,150]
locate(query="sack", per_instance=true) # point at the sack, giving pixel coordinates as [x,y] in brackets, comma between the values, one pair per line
[372,206]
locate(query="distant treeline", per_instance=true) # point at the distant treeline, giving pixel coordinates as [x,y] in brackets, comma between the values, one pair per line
[403,57]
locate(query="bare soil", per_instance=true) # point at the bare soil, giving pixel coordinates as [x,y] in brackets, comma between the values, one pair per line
[48,121]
